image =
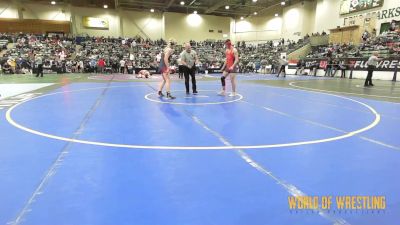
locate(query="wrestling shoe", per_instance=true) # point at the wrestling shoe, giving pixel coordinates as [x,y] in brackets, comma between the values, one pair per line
[169,96]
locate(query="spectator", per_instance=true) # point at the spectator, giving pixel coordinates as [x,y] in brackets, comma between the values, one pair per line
[393,26]
[101,65]
[122,66]
[93,64]
[300,67]
[365,36]
[39,66]
[342,67]
[328,69]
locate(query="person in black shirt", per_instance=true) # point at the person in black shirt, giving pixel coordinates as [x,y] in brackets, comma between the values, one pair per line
[392,25]
[300,67]
[342,67]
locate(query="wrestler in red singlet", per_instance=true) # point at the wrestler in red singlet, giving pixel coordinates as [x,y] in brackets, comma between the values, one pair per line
[229,67]
[230,60]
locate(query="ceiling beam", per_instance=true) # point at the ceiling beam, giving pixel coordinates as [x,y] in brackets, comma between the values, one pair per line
[249,6]
[276,4]
[233,13]
[137,4]
[140,3]
[192,2]
[216,6]
[170,2]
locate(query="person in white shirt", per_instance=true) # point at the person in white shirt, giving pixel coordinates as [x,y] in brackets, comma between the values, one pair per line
[62,55]
[81,66]
[283,62]
[372,63]
[158,57]
[122,66]
[189,59]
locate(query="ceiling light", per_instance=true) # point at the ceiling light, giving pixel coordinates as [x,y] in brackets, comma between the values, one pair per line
[227,7]
[105,6]
[53,2]
[276,14]
[195,12]
[182,3]
[254,0]
[283,3]
[255,13]
[242,18]
[152,10]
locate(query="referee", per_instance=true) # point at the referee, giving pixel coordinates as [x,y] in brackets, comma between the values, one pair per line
[189,59]
[372,63]
[39,64]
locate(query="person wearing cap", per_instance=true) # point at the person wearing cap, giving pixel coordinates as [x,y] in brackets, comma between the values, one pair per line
[189,59]
[230,67]
[164,69]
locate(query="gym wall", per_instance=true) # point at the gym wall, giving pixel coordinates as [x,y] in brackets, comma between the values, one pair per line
[111,16]
[328,14]
[300,19]
[196,27]
[142,23]
[8,10]
[182,27]
[45,12]
[293,21]
[256,29]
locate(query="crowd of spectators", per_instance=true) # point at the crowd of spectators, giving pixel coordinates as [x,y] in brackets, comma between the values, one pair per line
[63,54]
[337,56]
[387,44]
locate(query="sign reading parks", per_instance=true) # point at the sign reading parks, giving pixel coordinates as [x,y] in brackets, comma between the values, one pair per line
[350,6]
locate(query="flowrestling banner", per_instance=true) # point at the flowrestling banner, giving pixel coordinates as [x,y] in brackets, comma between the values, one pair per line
[388,64]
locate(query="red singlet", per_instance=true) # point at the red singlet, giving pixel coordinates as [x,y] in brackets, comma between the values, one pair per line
[230,59]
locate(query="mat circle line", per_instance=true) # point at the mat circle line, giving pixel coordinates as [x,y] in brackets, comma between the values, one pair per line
[292,84]
[173,102]
[10,120]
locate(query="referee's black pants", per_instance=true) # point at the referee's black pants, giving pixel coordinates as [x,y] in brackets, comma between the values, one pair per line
[190,72]
[181,70]
[39,70]
[368,81]
[282,69]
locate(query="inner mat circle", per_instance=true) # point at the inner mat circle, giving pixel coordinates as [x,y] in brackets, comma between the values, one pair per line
[204,97]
